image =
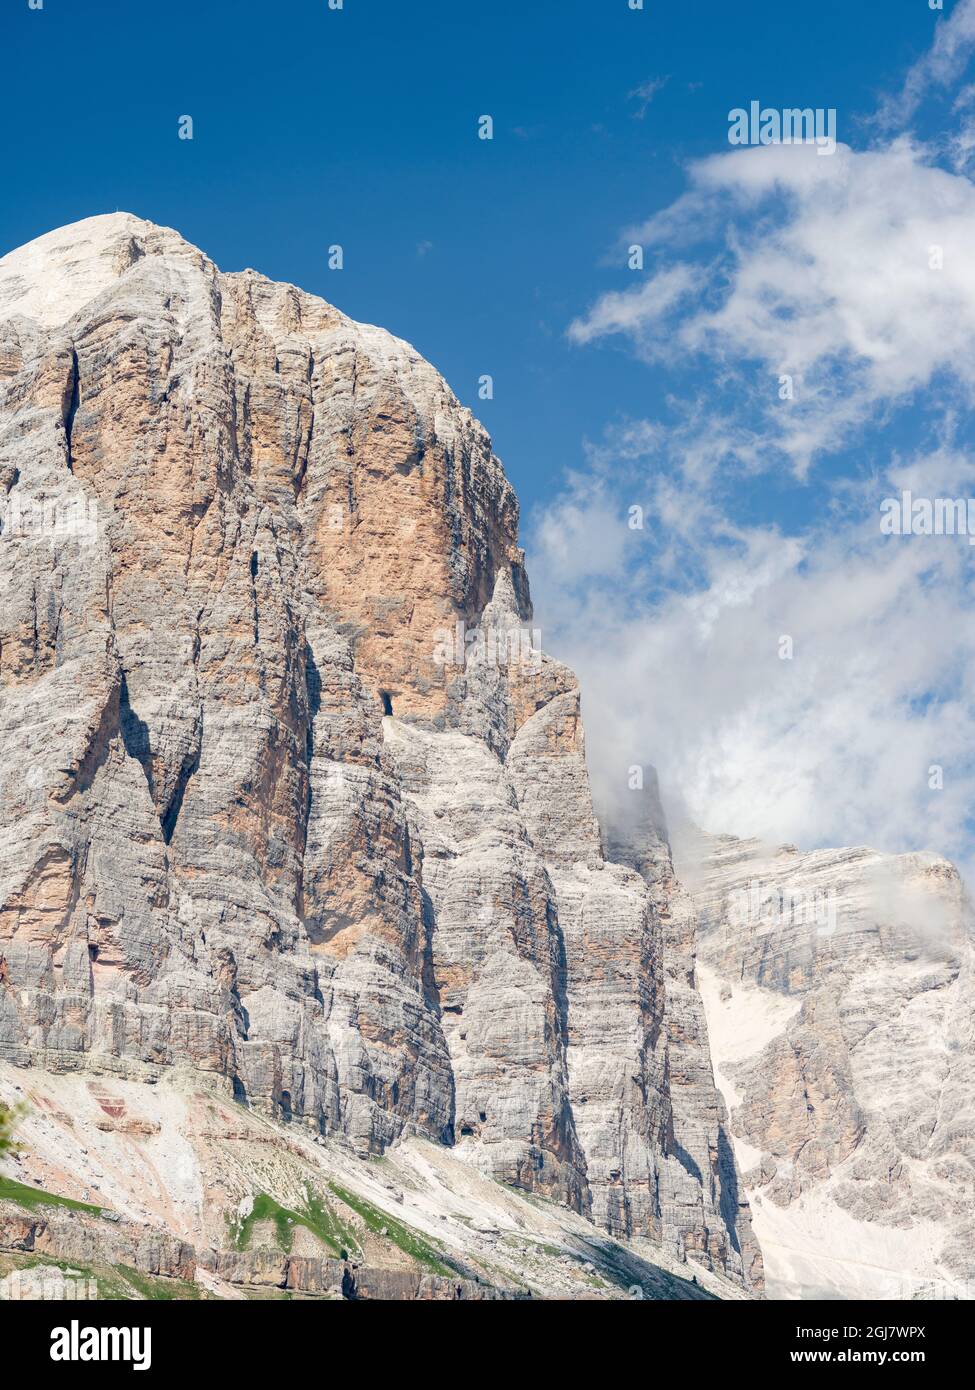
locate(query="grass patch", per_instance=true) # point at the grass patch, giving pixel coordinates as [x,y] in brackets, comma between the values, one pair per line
[322,1221]
[160,1290]
[316,1216]
[403,1237]
[32,1197]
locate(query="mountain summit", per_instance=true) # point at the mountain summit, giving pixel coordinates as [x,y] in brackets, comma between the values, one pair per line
[291,801]
[299,866]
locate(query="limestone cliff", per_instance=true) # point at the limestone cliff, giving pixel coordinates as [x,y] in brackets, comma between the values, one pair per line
[840,995]
[288,794]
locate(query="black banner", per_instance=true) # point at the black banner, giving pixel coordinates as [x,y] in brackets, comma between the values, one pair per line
[164,1338]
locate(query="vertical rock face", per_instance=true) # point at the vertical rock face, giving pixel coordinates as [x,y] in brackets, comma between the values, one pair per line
[705,1202]
[287,791]
[840,993]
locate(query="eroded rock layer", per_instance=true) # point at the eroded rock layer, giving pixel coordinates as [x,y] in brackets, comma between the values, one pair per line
[840,995]
[266,809]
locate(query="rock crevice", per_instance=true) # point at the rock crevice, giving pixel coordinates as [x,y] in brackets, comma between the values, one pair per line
[264,809]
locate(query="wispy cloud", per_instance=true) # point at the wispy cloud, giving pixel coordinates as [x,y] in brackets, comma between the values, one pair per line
[832,743]
[645,93]
[806,681]
[848,275]
[940,67]
[637,312]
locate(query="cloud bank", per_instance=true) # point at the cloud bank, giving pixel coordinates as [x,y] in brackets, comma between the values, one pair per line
[808,680]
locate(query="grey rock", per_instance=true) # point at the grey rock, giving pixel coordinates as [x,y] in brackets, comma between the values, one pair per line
[840,992]
[257,815]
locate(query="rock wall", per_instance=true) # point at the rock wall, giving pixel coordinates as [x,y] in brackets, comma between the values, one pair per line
[840,994]
[287,791]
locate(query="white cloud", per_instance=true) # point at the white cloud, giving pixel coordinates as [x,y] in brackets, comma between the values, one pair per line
[831,747]
[851,274]
[638,311]
[582,534]
[959,142]
[941,65]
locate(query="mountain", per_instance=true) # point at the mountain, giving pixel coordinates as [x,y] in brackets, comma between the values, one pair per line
[314,971]
[839,987]
[318,974]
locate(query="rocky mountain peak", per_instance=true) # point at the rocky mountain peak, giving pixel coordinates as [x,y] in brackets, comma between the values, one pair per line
[298,854]
[290,796]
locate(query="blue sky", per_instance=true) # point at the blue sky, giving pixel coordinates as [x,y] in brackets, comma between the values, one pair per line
[613,388]
[358,126]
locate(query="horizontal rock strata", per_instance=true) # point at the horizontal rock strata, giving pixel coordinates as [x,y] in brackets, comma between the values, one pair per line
[288,792]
